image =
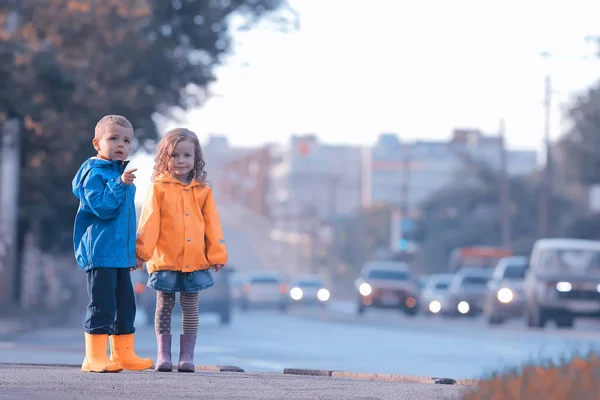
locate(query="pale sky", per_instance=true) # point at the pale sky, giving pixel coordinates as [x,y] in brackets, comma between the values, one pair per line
[415,68]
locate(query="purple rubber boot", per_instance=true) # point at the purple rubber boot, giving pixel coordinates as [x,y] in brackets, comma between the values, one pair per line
[163,360]
[187,344]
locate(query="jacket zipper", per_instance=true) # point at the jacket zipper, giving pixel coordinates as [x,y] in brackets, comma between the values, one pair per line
[89,248]
[128,226]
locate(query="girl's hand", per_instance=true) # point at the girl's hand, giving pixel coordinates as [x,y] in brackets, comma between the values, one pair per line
[139,263]
[217,267]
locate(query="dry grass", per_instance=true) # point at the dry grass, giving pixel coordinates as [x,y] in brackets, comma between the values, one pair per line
[576,379]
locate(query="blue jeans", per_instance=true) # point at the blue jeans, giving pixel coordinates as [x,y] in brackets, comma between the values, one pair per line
[112,302]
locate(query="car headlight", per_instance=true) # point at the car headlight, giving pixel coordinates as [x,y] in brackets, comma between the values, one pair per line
[296,293]
[323,294]
[505,295]
[435,306]
[365,289]
[463,307]
[564,286]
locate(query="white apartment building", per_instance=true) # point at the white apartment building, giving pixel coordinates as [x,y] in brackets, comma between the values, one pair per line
[312,181]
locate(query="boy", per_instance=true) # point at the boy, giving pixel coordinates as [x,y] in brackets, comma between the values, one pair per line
[104,241]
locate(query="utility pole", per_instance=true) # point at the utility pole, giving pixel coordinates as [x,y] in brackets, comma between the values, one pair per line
[546,188]
[505,211]
[405,200]
[10,161]
[333,183]
[10,145]
[398,218]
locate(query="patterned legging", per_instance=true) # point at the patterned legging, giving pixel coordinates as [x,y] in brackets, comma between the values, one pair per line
[165,302]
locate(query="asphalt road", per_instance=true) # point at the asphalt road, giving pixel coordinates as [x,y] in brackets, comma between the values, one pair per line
[265,341]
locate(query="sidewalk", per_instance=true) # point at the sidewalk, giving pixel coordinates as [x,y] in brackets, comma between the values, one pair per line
[14,322]
[10,326]
[64,382]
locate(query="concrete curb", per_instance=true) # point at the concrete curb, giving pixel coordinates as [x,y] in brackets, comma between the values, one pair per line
[12,364]
[199,368]
[308,372]
[380,377]
[218,368]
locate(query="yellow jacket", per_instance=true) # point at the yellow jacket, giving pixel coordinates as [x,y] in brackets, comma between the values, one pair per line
[179,228]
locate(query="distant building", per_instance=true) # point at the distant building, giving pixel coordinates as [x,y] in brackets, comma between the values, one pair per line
[394,172]
[245,180]
[217,152]
[311,181]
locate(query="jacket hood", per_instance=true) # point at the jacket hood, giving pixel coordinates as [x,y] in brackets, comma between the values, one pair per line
[90,164]
[166,178]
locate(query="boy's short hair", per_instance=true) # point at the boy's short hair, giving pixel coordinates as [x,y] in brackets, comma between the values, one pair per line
[108,120]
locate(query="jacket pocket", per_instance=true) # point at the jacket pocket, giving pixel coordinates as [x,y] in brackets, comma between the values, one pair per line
[88,245]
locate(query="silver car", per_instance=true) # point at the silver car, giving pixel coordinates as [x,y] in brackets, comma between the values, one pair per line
[505,297]
[216,300]
[309,290]
[387,284]
[467,292]
[261,289]
[434,294]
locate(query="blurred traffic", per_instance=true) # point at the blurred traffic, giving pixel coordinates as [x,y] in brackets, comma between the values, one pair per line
[561,284]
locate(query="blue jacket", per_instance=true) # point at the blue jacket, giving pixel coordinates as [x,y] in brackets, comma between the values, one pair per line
[105,225]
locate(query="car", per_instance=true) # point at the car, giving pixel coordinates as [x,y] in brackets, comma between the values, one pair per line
[261,289]
[386,284]
[215,300]
[434,294]
[421,281]
[467,290]
[505,297]
[309,290]
[562,282]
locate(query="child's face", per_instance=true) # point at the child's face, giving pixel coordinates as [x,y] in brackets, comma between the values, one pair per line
[114,143]
[182,159]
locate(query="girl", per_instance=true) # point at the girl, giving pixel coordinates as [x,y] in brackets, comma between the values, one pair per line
[180,239]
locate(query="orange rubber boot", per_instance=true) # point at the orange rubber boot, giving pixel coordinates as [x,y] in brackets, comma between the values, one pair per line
[96,359]
[121,350]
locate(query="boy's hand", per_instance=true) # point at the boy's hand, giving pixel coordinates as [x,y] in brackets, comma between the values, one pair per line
[139,263]
[128,176]
[217,267]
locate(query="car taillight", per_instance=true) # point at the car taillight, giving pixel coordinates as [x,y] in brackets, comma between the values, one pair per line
[246,288]
[139,288]
[283,289]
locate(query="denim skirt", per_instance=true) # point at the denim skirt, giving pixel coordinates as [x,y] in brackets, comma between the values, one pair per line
[180,282]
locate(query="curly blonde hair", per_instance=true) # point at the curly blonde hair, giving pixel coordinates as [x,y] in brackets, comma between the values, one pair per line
[166,148]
